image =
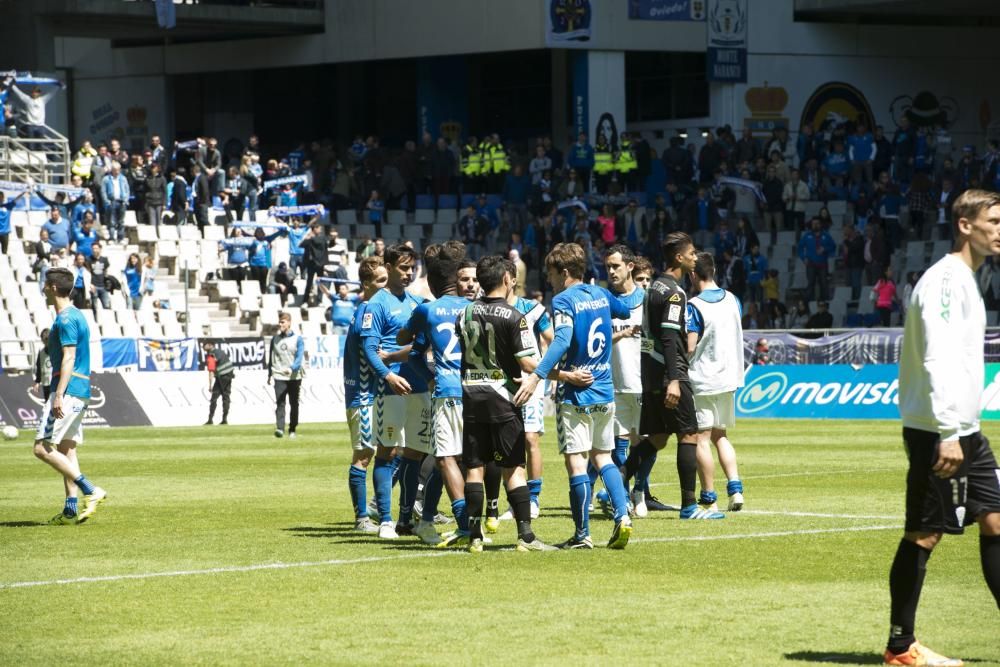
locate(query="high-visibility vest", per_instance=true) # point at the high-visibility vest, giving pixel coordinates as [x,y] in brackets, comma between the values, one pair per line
[485,158]
[602,160]
[498,156]
[626,161]
[472,160]
[83,163]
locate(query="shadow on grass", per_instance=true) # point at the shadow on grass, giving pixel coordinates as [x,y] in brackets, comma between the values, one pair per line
[20,524]
[838,658]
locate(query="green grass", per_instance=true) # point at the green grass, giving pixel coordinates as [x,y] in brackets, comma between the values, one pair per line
[200,498]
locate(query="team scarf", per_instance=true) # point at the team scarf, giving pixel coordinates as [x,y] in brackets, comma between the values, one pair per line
[262,225]
[746,184]
[12,186]
[297,211]
[27,78]
[339,281]
[301,178]
[68,189]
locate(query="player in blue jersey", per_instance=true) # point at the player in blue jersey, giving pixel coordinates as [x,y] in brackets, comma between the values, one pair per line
[585,418]
[60,429]
[360,386]
[432,327]
[402,404]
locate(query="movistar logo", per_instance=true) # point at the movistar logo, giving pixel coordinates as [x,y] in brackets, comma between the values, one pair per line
[762,392]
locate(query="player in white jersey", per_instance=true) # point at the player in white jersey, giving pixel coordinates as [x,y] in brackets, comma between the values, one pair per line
[715,343]
[953,479]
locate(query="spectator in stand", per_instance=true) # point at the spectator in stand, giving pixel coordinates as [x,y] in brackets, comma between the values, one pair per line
[42,370]
[260,256]
[771,288]
[921,203]
[755,266]
[209,161]
[234,196]
[812,176]
[115,195]
[884,296]
[442,168]
[32,110]
[852,250]
[724,240]
[710,158]
[571,187]
[473,228]
[746,237]
[761,353]
[876,254]
[777,315]
[83,162]
[58,229]
[178,198]
[149,276]
[807,146]
[837,166]
[883,153]
[606,223]
[701,217]
[118,154]
[581,163]
[798,318]
[911,282]
[251,172]
[5,210]
[780,143]
[202,192]
[85,238]
[632,224]
[751,317]
[314,245]
[945,198]
[43,253]
[678,163]
[296,232]
[747,149]
[795,195]
[862,151]
[392,186]
[136,176]
[376,209]
[816,247]
[516,188]
[61,202]
[781,168]
[283,283]
[520,272]
[288,195]
[157,153]
[81,283]
[156,195]
[540,164]
[83,206]
[343,304]
[425,156]
[774,202]
[904,146]
[603,164]
[237,248]
[822,318]
[98,267]
[133,280]
[553,153]
[732,274]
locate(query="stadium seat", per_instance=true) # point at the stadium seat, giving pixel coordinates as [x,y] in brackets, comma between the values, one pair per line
[168,232]
[269,317]
[7,332]
[447,202]
[214,233]
[316,313]
[152,330]
[347,216]
[226,289]
[130,219]
[165,316]
[130,329]
[837,207]
[468,200]
[424,216]
[197,320]
[249,303]
[14,358]
[187,232]
[173,330]
[146,234]
[842,293]
[251,288]
[494,201]
[270,302]
[219,330]
[396,217]
[365,230]
[310,328]
[425,202]
[111,330]
[447,216]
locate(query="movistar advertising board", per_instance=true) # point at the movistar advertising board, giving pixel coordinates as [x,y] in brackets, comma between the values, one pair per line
[821,392]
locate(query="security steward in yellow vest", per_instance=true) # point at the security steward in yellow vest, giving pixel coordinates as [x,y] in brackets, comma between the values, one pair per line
[83,162]
[603,165]
[499,163]
[472,164]
[626,164]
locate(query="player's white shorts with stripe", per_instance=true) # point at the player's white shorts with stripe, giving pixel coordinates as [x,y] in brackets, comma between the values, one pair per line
[360,421]
[404,421]
[68,427]
[533,411]
[715,411]
[628,407]
[447,421]
[581,429]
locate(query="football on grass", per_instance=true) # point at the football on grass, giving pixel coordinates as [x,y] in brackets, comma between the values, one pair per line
[9,432]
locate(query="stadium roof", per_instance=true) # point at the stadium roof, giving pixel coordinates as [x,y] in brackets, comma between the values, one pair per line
[900,12]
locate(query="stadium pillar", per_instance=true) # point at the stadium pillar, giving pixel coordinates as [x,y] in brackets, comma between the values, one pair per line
[598,89]
[443,97]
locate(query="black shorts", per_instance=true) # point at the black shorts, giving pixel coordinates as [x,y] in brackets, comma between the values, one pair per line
[935,505]
[503,443]
[655,418]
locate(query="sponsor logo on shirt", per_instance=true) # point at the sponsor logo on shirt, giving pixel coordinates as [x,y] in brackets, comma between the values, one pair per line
[366,321]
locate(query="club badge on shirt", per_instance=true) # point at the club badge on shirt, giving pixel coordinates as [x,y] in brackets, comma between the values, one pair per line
[366,321]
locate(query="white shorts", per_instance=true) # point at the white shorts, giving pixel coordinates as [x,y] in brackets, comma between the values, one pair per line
[69,427]
[628,408]
[581,429]
[715,411]
[359,421]
[533,413]
[404,421]
[447,421]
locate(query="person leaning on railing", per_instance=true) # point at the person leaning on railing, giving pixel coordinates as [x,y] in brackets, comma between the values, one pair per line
[32,107]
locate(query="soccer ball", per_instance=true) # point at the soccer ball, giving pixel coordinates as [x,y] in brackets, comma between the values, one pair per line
[9,433]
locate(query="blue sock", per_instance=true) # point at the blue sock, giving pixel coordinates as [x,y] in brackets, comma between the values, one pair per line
[382,477]
[642,474]
[535,489]
[708,497]
[734,486]
[409,479]
[394,464]
[461,515]
[84,484]
[620,452]
[579,499]
[357,480]
[586,508]
[612,479]
[432,495]
[70,508]
[592,475]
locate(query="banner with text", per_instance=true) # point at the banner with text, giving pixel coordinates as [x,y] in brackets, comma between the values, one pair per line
[245,353]
[666,10]
[820,392]
[168,355]
[727,41]
[111,403]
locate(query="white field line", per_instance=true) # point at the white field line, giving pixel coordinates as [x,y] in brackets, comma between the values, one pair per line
[823,515]
[813,473]
[375,559]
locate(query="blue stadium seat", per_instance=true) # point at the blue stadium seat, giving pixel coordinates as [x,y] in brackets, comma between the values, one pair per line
[468,200]
[425,201]
[448,201]
[494,201]
[404,203]
[853,320]
[871,319]
[216,202]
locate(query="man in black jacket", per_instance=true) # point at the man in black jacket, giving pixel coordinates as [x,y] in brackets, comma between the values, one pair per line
[314,245]
[202,196]
[178,198]
[156,194]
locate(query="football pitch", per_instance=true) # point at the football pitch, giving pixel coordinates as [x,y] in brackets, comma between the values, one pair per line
[223,545]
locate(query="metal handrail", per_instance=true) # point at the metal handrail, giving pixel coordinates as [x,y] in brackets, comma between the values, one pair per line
[44,160]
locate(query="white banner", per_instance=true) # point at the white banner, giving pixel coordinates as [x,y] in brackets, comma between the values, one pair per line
[179,398]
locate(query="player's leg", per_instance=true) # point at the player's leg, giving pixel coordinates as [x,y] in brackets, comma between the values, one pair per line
[389,416]
[359,422]
[642,456]
[573,436]
[683,421]
[280,394]
[448,427]
[417,445]
[602,446]
[725,419]
[534,427]
[71,507]
[705,416]
[627,414]
[984,503]
[493,479]
[213,401]
[294,388]
[476,448]
[509,442]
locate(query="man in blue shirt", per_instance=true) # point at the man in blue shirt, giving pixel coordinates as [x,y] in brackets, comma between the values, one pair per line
[58,229]
[60,429]
[816,247]
[585,418]
[861,149]
[343,304]
[85,238]
[581,158]
[402,405]
[360,386]
[296,232]
[5,209]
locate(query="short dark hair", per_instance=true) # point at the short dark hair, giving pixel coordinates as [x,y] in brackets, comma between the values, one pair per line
[673,245]
[704,266]
[397,252]
[642,265]
[567,257]
[442,261]
[467,264]
[627,255]
[368,268]
[61,279]
[490,272]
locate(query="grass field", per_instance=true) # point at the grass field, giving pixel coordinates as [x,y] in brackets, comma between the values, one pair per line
[226,546]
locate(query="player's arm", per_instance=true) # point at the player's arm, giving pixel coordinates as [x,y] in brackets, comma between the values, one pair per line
[370,348]
[416,324]
[416,359]
[695,326]
[398,357]
[941,359]
[65,373]
[619,309]
[672,338]
[547,367]
[300,349]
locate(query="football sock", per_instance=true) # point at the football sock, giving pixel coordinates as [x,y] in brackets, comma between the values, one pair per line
[592,476]
[645,483]
[426,466]
[84,484]
[409,471]
[432,494]
[357,481]
[639,453]
[520,507]
[708,497]
[461,514]
[687,471]
[493,477]
[734,486]
[579,499]
[989,554]
[612,479]
[69,509]
[475,495]
[906,579]
[620,452]
[382,478]
[644,471]
[394,464]
[535,489]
